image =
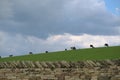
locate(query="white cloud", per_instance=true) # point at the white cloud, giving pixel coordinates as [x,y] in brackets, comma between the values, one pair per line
[21,45]
[117,11]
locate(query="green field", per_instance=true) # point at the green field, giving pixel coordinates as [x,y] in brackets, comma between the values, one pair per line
[71,55]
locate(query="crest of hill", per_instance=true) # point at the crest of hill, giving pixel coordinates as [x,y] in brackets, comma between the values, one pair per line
[70,55]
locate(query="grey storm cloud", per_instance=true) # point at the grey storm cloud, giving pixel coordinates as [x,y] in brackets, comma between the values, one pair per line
[40,25]
[43,17]
[5,9]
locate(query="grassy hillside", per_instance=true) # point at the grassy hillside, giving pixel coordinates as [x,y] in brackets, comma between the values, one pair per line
[71,55]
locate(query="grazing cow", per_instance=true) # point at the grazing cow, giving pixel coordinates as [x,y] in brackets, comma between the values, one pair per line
[30,53]
[46,51]
[73,48]
[92,46]
[106,45]
[65,49]
[10,55]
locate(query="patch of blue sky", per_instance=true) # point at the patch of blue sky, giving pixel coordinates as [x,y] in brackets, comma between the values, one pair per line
[113,6]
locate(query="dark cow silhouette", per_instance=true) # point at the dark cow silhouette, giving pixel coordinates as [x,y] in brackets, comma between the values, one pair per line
[65,49]
[73,48]
[106,45]
[92,46]
[10,55]
[46,51]
[30,53]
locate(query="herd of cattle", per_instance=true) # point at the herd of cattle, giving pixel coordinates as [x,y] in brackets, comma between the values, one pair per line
[72,48]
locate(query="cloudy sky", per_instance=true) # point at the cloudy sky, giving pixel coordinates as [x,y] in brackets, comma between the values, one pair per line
[53,25]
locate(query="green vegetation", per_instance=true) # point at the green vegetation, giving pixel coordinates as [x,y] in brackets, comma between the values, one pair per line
[71,55]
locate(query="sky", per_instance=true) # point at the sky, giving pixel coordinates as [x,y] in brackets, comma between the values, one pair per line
[53,25]
[113,6]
